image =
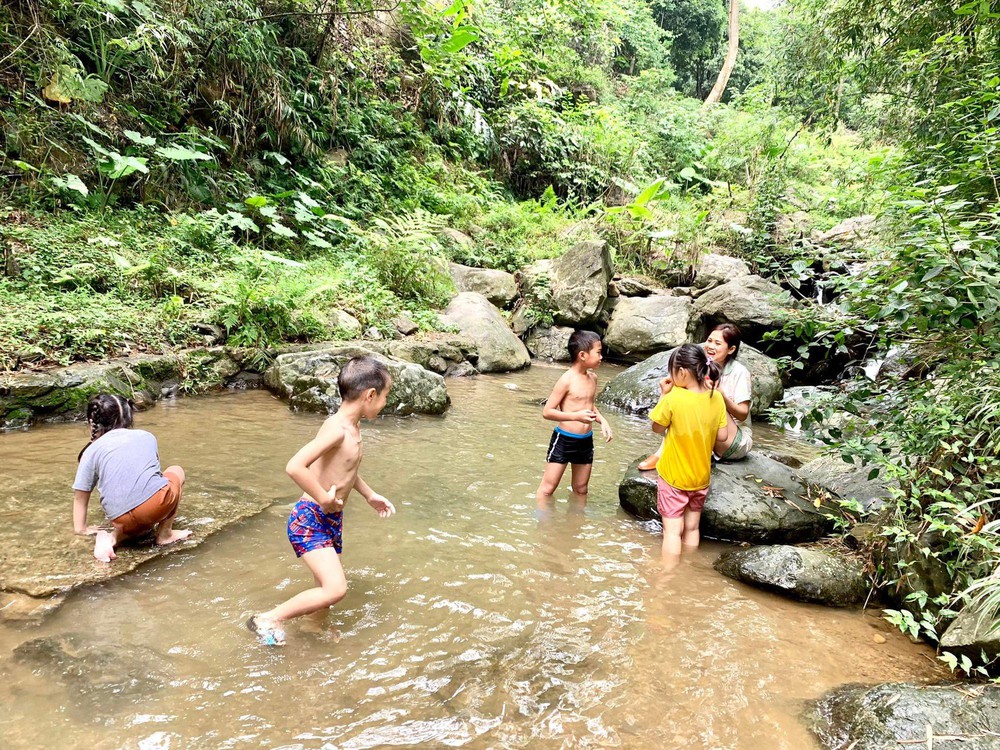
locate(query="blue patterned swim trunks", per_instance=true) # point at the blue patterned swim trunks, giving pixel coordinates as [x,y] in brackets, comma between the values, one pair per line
[310,528]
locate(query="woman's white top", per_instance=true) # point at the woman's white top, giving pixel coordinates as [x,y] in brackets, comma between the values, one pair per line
[735,384]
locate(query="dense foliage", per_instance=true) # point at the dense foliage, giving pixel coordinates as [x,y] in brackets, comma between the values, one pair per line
[252,171]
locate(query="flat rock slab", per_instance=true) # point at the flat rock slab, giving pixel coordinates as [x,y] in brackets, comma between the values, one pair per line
[808,575]
[756,500]
[861,717]
[49,560]
[975,631]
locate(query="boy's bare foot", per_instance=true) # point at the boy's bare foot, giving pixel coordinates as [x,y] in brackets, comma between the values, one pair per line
[175,535]
[104,547]
[269,633]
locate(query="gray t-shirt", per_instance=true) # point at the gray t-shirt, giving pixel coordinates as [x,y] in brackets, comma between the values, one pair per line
[125,466]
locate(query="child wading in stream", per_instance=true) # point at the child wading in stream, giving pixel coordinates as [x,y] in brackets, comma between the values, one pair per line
[125,466]
[571,404]
[695,413]
[326,469]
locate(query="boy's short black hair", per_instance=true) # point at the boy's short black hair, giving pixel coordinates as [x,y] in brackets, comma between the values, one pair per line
[360,374]
[581,341]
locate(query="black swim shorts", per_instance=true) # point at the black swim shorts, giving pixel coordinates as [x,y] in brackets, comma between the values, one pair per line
[570,448]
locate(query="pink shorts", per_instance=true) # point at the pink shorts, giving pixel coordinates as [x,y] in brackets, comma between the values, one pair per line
[672,502]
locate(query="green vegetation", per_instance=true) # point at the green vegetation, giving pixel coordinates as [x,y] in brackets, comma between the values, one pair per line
[262,168]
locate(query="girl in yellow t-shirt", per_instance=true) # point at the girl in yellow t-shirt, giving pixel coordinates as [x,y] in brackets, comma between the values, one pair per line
[695,414]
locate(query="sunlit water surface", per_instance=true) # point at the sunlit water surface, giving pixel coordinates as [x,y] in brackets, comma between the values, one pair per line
[469,622]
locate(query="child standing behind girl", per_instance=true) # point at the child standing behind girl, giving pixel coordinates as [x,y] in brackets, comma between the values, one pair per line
[125,466]
[695,414]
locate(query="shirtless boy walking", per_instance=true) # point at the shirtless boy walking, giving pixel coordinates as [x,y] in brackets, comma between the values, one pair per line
[571,404]
[326,469]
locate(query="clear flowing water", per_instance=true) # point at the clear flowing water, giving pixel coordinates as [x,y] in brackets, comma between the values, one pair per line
[468,622]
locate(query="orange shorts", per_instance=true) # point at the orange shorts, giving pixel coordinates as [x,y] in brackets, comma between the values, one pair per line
[672,502]
[156,509]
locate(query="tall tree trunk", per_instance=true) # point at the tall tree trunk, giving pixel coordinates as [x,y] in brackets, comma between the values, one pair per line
[715,96]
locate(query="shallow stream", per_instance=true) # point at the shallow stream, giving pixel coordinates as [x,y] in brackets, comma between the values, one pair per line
[468,622]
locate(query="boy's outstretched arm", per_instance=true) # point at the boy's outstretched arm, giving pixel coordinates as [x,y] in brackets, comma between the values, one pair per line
[381,505]
[330,438]
[554,413]
[81,499]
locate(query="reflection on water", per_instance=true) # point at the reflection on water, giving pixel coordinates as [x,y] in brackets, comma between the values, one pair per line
[467,622]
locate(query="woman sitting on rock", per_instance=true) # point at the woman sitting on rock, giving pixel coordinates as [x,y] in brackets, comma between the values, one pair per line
[722,345]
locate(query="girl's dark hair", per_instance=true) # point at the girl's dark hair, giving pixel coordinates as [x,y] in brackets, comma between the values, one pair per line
[106,412]
[732,335]
[692,358]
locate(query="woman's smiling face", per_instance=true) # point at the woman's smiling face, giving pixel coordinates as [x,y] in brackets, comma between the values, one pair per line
[716,347]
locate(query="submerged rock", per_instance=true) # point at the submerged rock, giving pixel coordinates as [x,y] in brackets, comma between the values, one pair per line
[642,325]
[499,349]
[862,717]
[636,390]
[101,678]
[809,575]
[309,381]
[755,500]
[499,287]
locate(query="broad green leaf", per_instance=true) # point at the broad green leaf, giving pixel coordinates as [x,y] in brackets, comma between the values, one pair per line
[180,153]
[271,212]
[316,241]
[24,166]
[460,39]
[256,201]
[281,230]
[279,259]
[142,140]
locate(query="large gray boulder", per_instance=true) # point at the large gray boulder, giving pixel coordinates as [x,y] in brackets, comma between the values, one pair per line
[499,287]
[549,343]
[756,500]
[714,270]
[974,632]
[808,575]
[642,325]
[499,349]
[862,717]
[848,481]
[580,283]
[443,354]
[752,303]
[849,231]
[636,390]
[309,381]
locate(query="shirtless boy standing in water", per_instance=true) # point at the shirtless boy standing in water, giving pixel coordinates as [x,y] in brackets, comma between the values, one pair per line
[330,460]
[571,404]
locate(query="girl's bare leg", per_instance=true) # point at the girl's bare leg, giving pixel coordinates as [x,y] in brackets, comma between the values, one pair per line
[673,528]
[165,531]
[653,458]
[692,531]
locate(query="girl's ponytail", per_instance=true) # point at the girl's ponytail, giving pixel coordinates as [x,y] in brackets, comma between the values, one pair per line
[713,372]
[106,412]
